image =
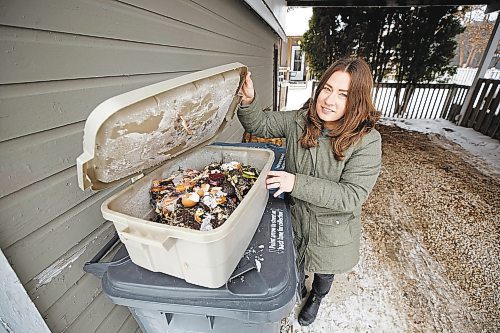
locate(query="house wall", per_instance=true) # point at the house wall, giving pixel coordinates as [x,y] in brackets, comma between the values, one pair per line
[59,60]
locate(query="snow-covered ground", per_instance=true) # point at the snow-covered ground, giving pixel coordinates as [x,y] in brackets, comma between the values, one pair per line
[474,142]
[298,95]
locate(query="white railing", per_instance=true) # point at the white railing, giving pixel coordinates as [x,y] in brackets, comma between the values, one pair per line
[465,76]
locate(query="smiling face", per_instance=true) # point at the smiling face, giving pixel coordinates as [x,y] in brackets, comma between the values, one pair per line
[331,103]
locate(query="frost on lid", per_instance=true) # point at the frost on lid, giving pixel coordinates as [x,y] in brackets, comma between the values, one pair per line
[153,130]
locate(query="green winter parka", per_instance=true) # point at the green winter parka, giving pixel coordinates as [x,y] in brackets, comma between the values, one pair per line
[327,195]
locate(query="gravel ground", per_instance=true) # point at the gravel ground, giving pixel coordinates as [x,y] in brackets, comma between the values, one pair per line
[430,253]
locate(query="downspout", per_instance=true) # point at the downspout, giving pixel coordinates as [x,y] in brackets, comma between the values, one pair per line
[275,77]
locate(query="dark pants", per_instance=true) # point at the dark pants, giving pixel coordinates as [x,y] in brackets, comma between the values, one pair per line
[321,282]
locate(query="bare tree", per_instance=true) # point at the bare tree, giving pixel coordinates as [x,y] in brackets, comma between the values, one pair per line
[478,28]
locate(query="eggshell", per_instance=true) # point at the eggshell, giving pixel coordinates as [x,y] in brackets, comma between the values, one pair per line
[190,199]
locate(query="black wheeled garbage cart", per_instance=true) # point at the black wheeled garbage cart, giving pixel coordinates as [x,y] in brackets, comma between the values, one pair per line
[261,291]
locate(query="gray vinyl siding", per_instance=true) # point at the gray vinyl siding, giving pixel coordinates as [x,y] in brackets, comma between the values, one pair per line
[60,59]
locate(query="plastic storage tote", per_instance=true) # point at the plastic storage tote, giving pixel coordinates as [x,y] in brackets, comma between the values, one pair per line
[260,292]
[170,124]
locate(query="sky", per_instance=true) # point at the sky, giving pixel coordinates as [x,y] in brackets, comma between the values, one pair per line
[297,20]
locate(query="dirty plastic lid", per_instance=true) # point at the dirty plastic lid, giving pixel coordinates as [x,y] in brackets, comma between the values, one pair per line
[138,130]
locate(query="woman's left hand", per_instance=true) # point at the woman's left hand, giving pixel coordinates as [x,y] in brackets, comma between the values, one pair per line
[281,180]
[247,90]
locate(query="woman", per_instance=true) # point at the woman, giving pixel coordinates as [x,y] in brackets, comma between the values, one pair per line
[333,156]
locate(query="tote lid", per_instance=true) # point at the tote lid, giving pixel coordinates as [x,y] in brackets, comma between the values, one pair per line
[140,129]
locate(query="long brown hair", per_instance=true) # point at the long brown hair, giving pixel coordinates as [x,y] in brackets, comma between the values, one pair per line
[360,116]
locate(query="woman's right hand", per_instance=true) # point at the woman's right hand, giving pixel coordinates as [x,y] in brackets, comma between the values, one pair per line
[247,91]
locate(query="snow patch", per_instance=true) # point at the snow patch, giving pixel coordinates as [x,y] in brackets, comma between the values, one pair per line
[472,141]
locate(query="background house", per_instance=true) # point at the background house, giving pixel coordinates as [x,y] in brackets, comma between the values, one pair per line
[59,60]
[297,68]
[293,62]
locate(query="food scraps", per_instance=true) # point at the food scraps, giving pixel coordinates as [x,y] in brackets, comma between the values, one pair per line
[201,200]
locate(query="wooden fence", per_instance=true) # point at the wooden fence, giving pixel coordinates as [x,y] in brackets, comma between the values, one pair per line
[419,101]
[424,101]
[445,101]
[483,113]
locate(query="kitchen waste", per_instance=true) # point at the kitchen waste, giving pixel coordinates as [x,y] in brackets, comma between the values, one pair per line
[201,200]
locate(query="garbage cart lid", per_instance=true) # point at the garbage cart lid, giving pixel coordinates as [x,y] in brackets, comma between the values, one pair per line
[263,291]
[141,129]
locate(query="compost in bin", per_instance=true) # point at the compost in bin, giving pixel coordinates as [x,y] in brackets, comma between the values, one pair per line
[201,200]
